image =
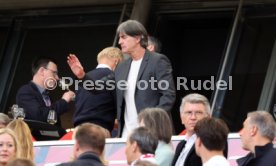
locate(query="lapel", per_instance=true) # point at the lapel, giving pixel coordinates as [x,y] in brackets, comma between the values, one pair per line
[191,151]
[178,151]
[122,74]
[181,147]
[143,64]
[125,69]
[38,94]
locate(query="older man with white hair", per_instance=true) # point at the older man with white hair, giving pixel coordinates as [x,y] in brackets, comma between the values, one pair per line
[194,107]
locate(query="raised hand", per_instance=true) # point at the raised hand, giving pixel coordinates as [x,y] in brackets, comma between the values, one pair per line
[75,66]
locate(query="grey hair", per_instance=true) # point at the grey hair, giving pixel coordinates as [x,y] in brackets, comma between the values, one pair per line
[265,123]
[146,141]
[196,98]
[4,119]
[134,28]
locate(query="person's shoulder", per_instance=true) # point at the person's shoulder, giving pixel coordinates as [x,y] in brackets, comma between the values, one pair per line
[105,70]
[158,56]
[80,162]
[217,160]
[164,146]
[165,150]
[27,87]
[121,66]
[100,70]
[243,160]
[273,150]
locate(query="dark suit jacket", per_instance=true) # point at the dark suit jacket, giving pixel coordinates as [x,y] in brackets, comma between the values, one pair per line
[192,158]
[85,159]
[155,66]
[97,107]
[264,155]
[29,98]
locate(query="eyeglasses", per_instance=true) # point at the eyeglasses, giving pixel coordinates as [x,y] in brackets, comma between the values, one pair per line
[190,113]
[53,71]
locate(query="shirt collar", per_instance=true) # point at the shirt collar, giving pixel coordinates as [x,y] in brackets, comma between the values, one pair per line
[103,66]
[192,138]
[260,150]
[41,89]
[145,156]
[148,157]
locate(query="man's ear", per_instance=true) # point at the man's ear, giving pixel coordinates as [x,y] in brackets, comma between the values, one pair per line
[254,130]
[198,142]
[150,47]
[138,39]
[117,61]
[77,146]
[40,71]
[76,149]
[134,146]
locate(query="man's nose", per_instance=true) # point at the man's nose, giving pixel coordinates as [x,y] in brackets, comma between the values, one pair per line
[193,116]
[240,132]
[120,41]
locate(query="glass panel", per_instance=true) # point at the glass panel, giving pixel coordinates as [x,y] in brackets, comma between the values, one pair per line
[195,47]
[3,38]
[250,67]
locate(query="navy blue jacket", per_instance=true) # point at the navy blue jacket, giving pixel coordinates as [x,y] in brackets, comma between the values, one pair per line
[97,106]
[29,98]
[265,155]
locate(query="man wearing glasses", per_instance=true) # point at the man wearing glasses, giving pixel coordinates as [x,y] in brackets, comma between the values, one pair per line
[194,107]
[33,97]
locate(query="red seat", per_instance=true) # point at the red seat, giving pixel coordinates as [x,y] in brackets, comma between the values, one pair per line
[67,136]
[183,132]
